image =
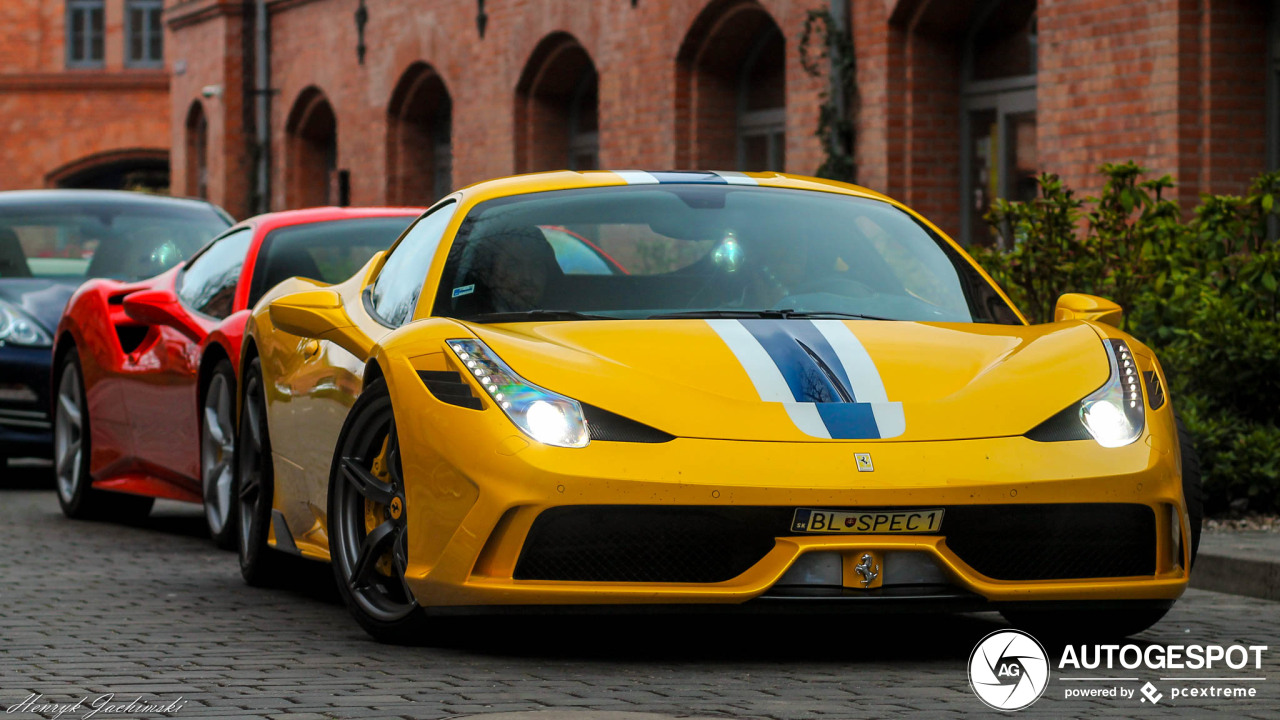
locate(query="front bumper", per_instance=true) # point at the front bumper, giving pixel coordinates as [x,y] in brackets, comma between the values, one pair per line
[26,429]
[472,506]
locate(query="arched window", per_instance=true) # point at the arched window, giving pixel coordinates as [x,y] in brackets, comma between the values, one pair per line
[197,146]
[419,138]
[998,96]
[731,90]
[312,152]
[557,108]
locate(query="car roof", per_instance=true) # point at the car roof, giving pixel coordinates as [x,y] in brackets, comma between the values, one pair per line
[57,197]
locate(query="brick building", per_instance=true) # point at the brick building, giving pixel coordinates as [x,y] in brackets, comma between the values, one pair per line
[954,102]
[84,96]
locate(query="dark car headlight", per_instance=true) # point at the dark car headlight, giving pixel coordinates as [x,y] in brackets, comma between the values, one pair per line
[548,417]
[19,328]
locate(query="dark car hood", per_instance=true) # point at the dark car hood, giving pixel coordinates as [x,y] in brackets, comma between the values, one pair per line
[42,299]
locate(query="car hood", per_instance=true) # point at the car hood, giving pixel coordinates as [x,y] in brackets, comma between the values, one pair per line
[42,299]
[815,380]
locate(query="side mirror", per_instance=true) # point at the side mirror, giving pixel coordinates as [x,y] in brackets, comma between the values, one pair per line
[319,315]
[1078,306]
[160,307]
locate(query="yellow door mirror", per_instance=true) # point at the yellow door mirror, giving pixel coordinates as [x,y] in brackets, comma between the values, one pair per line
[319,314]
[1078,306]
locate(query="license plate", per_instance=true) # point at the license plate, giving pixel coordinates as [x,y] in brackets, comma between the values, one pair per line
[866,522]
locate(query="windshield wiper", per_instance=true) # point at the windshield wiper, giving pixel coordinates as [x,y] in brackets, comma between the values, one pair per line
[533,315]
[766,314]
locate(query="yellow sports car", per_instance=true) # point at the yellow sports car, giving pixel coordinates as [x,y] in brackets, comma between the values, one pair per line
[635,388]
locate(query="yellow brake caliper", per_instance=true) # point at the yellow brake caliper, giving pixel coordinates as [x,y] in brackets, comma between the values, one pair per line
[376,513]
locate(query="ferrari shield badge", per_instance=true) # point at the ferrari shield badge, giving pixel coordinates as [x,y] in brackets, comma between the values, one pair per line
[864,462]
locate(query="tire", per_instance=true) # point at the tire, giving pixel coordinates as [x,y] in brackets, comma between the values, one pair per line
[71,452]
[254,484]
[218,454]
[1080,622]
[1192,490]
[368,537]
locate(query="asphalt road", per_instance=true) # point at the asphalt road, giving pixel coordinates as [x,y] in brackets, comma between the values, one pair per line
[155,612]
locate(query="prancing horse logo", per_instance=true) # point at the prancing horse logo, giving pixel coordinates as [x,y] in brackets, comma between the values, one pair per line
[869,569]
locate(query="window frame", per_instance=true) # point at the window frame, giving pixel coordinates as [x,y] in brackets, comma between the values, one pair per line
[147,6]
[186,265]
[86,8]
[451,204]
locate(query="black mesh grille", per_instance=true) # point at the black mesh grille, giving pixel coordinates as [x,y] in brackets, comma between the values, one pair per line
[646,544]
[449,387]
[611,427]
[703,544]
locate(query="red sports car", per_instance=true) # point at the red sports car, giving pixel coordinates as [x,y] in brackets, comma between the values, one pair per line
[145,372]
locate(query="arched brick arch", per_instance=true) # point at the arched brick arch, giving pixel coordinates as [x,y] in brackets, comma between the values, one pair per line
[197,151]
[731,89]
[311,151]
[556,108]
[114,170]
[419,138]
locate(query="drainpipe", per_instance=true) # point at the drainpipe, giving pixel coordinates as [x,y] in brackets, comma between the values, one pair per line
[262,106]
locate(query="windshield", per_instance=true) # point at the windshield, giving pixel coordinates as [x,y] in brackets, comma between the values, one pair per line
[121,240]
[704,250]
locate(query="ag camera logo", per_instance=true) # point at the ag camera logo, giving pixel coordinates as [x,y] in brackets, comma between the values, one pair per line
[1008,670]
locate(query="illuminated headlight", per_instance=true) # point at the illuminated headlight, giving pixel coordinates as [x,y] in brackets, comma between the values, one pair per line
[545,416]
[18,328]
[1114,413]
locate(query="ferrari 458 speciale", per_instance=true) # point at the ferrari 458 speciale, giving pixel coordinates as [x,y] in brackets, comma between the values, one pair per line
[750,390]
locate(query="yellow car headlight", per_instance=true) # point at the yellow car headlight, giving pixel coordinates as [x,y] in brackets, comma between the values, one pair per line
[546,416]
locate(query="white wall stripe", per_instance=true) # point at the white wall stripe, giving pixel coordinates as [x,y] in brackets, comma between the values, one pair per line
[736,178]
[867,385]
[636,177]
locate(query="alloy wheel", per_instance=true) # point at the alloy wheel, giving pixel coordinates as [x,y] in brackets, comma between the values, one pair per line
[68,434]
[217,453]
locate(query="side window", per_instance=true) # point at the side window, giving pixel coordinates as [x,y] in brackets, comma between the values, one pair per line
[394,294]
[208,284]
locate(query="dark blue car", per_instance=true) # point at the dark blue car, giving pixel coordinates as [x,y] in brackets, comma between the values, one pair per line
[50,242]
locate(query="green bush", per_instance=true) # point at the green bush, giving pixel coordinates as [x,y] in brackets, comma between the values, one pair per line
[1202,291]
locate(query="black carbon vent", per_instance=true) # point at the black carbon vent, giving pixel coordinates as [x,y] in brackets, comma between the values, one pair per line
[643,543]
[449,387]
[131,336]
[1065,425]
[611,427]
[1155,391]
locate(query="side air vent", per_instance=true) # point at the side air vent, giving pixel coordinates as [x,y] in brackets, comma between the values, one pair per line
[1065,425]
[131,336]
[449,387]
[610,427]
[1155,391]
[117,299]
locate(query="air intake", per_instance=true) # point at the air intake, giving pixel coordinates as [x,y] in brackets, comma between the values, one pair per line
[448,386]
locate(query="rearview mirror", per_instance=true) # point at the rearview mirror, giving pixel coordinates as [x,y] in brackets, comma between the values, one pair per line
[1078,306]
[318,314]
[160,307]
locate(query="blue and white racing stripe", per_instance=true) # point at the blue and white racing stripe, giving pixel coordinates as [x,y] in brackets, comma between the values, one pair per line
[641,177]
[819,371]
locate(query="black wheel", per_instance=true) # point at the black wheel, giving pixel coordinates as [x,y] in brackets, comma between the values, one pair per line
[218,454]
[71,453]
[1112,621]
[1192,490]
[368,538]
[255,484]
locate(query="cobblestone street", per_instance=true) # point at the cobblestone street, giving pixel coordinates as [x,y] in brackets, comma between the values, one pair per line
[157,612]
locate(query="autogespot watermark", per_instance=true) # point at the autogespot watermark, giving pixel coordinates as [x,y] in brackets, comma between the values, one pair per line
[94,705]
[1009,670]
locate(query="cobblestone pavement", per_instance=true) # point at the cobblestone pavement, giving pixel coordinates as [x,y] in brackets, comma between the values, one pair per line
[156,612]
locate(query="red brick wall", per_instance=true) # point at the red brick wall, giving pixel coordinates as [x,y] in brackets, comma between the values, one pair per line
[634,51]
[53,118]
